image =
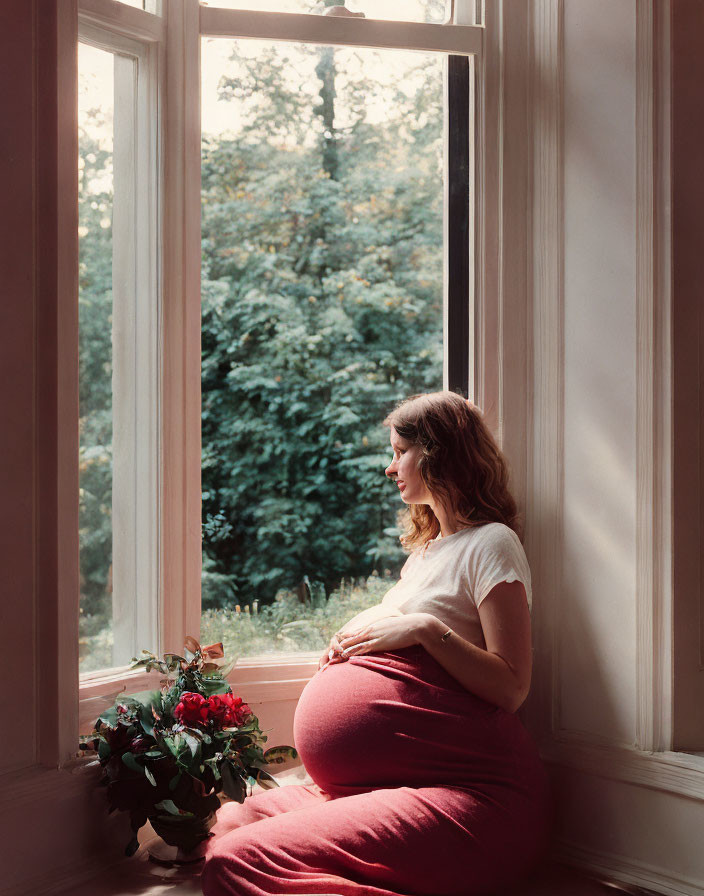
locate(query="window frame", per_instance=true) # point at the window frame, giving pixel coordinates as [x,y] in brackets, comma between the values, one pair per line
[464,43]
[135,410]
[130,32]
[176,38]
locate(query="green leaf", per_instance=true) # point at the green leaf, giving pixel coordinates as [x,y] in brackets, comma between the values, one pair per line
[264,779]
[145,698]
[214,685]
[193,743]
[174,782]
[173,744]
[232,783]
[214,764]
[109,717]
[168,806]
[131,763]
[280,754]
[150,776]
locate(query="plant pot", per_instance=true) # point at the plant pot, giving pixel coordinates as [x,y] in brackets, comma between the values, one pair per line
[184,835]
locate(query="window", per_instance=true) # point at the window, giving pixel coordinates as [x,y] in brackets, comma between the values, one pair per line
[118,317]
[156,287]
[323,200]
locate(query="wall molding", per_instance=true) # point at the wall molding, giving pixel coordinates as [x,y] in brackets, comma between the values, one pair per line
[546,461]
[653,427]
[667,771]
[545,447]
[610,867]
[646,548]
[514,339]
[42,801]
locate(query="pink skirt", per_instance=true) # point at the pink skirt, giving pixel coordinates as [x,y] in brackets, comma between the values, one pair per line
[421,789]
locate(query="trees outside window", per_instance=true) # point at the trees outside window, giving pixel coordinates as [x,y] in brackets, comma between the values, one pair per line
[322,235]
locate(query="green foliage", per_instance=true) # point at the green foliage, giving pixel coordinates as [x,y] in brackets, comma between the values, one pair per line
[287,625]
[322,296]
[95,377]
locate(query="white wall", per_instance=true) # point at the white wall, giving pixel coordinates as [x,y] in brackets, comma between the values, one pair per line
[627,807]
[597,634]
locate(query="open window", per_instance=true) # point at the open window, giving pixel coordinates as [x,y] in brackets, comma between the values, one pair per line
[326,184]
[411,124]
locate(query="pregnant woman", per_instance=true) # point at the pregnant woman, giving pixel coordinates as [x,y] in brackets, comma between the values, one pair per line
[426,782]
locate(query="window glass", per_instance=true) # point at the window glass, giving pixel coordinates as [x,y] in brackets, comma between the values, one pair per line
[95,211]
[117,360]
[322,295]
[400,10]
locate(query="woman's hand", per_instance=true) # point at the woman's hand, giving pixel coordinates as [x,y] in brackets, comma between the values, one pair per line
[390,633]
[358,623]
[332,652]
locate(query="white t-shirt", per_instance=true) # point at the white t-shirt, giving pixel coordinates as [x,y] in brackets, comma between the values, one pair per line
[449,577]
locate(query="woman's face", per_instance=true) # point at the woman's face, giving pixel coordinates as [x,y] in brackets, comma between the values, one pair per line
[404,470]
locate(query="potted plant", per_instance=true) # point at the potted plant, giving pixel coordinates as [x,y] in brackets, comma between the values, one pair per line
[168,754]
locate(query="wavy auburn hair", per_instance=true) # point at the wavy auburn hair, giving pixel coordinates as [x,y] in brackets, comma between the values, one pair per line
[460,464]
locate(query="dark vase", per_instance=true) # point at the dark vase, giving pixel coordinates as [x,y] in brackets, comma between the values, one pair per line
[187,833]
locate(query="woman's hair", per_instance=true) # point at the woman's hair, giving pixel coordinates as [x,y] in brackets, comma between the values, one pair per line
[460,464]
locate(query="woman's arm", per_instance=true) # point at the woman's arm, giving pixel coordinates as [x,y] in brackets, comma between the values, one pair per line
[500,674]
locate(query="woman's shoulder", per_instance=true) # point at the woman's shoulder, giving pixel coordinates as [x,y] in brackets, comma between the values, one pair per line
[486,535]
[493,540]
[495,534]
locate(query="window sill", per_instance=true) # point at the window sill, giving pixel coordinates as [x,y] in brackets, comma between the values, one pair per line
[257,679]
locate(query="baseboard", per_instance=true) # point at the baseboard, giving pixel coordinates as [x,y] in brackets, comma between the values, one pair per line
[611,867]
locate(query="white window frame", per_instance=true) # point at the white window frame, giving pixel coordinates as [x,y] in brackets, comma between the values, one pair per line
[134,36]
[175,39]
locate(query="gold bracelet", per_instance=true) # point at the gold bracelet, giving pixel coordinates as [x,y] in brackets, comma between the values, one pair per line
[446,635]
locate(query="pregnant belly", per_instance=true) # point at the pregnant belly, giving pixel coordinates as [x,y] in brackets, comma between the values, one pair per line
[394,719]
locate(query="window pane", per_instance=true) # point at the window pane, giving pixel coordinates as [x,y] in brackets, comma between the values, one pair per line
[399,10]
[95,122]
[322,235]
[117,361]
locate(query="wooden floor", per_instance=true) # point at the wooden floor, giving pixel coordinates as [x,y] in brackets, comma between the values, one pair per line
[143,878]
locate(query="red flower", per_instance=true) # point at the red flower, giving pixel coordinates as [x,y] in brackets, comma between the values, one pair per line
[221,710]
[228,711]
[192,710]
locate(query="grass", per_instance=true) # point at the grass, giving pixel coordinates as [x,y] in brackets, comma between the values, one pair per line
[286,626]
